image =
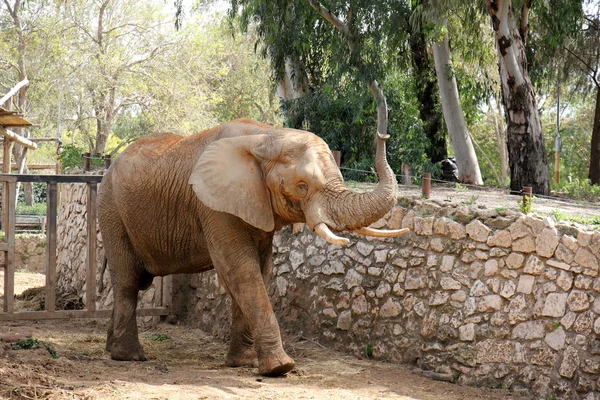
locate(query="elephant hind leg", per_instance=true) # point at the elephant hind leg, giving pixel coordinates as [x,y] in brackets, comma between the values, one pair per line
[128,277]
[241,345]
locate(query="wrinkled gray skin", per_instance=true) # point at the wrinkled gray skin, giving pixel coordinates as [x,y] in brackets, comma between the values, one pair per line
[172,204]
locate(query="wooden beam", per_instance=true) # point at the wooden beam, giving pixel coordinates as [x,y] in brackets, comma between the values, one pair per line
[35,166]
[14,91]
[66,314]
[10,135]
[51,178]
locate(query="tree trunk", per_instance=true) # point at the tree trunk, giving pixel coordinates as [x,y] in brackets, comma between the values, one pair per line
[501,141]
[526,148]
[466,159]
[427,94]
[292,86]
[594,174]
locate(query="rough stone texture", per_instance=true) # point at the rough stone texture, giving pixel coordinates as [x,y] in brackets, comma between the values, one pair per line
[546,242]
[504,300]
[478,231]
[555,305]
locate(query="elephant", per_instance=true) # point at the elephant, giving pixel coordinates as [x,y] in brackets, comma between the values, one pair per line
[177,205]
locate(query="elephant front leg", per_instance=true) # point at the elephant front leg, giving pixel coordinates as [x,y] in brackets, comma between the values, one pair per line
[237,262]
[242,352]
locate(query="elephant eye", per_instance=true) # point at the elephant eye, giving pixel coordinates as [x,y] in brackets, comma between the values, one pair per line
[302,188]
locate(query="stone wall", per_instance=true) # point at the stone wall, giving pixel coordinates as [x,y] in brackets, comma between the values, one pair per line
[72,255]
[30,253]
[497,299]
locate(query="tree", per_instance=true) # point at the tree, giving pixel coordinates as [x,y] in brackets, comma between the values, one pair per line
[427,92]
[119,37]
[466,159]
[526,146]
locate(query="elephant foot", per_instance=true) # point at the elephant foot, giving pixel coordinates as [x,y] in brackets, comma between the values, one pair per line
[242,358]
[127,353]
[275,365]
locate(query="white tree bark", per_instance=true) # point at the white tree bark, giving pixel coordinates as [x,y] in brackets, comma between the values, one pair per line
[294,83]
[466,159]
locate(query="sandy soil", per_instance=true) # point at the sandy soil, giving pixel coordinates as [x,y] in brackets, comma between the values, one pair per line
[187,364]
[23,281]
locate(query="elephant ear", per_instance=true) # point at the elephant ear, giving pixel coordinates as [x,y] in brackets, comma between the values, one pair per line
[229,178]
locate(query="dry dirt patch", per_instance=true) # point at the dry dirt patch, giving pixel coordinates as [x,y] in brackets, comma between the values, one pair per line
[185,363]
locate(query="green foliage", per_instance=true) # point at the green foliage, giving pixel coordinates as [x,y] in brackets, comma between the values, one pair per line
[368,348]
[30,343]
[70,157]
[526,204]
[345,116]
[561,216]
[579,189]
[159,337]
[35,209]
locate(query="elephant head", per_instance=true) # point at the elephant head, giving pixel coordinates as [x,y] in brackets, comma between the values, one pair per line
[271,177]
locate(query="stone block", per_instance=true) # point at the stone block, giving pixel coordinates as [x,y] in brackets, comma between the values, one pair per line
[500,239]
[491,302]
[565,280]
[556,339]
[569,363]
[555,305]
[390,309]
[478,231]
[546,242]
[525,284]
[515,260]
[524,245]
[508,289]
[529,330]
[558,264]
[466,333]
[439,298]
[534,266]
[491,267]
[344,321]
[448,283]
[456,230]
[578,301]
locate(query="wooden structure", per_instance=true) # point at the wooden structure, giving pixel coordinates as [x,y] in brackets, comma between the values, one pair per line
[8,247]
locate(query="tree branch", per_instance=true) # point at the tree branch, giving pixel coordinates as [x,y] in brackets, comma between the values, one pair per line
[334,20]
[591,71]
[524,25]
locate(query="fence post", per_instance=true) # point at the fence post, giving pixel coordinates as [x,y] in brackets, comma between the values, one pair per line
[51,247]
[107,162]
[90,286]
[86,161]
[426,185]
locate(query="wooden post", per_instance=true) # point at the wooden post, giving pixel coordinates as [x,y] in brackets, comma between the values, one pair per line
[557,167]
[426,185]
[8,225]
[86,161]
[90,282]
[51,248]
[107,162]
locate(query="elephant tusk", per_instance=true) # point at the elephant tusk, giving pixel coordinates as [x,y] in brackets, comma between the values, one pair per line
[325,233]
[381,232]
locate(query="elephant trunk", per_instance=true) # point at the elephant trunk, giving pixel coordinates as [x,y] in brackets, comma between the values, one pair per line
[357,210]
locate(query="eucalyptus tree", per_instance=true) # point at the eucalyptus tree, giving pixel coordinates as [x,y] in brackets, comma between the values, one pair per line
[423,71]
[526,146]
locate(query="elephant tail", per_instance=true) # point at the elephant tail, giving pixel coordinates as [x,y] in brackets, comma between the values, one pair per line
[102,270]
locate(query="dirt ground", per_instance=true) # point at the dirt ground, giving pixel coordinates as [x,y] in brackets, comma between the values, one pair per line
[185,363]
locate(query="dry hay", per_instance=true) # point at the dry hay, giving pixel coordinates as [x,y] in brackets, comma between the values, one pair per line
[34,299]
